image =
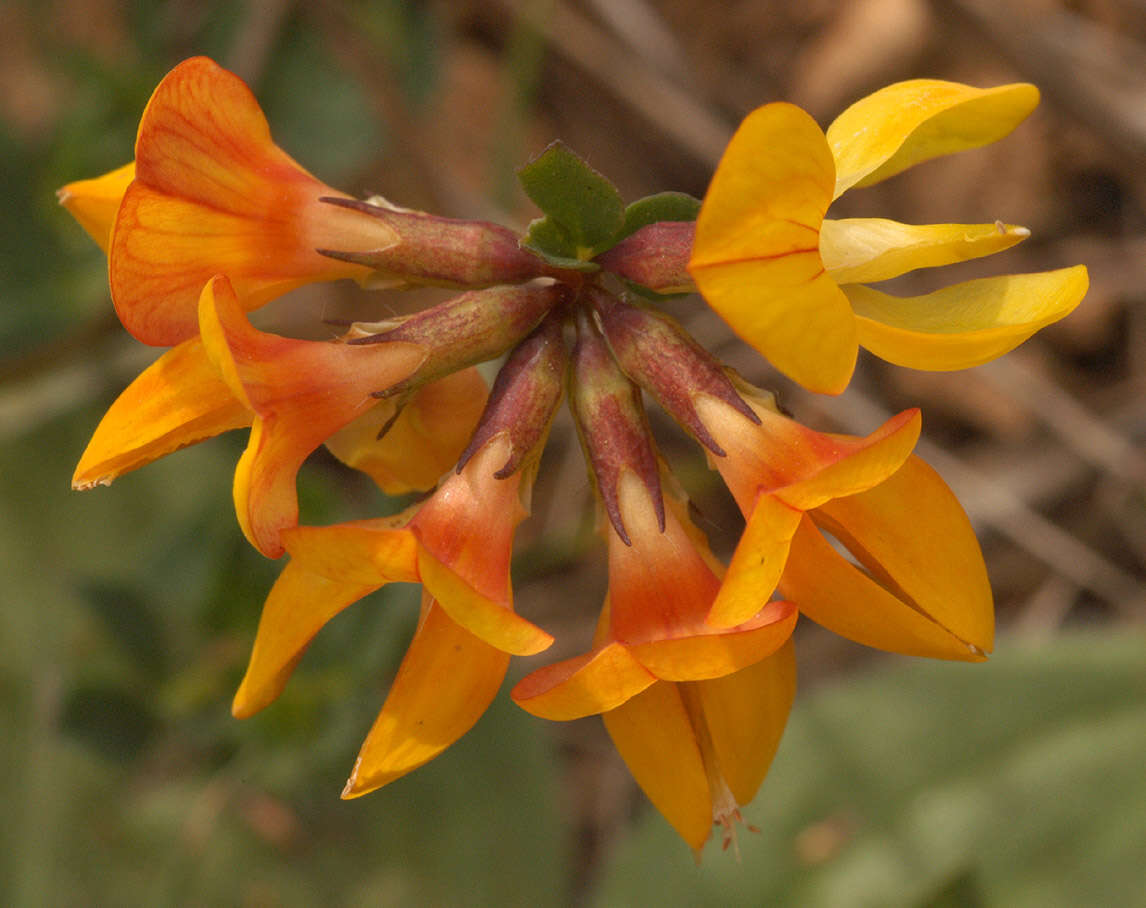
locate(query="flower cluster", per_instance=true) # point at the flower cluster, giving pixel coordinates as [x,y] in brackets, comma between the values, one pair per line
[691,666]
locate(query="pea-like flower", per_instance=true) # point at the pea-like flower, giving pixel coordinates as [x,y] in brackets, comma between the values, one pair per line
[457,544]
[793,284]
[691,666]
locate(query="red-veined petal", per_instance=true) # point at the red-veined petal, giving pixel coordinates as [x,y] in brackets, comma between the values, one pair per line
[302,392]
[756,256]
[213,194]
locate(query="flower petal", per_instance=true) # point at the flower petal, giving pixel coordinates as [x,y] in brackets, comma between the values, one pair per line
[777,455]
[746,713]
[302,392]
[655,737]
[366,551]
[967,324]
[862,464]
[298,606]
[178,400]
[714,655]
[214,194]
[446,681]
[93,203]
[465,538]
[423,442]
[911,122]
[487,619]
[863,250]
[585,685]
[756,254]
[757,563]
[836,594]
[933,560]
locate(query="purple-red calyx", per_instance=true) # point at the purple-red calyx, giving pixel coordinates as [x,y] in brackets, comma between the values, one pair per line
[611,423]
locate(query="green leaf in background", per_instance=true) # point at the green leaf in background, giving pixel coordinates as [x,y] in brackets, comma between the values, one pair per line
[584,204]
[662,206]
[1022,775]
[309,99]
[131,624]
[108,719]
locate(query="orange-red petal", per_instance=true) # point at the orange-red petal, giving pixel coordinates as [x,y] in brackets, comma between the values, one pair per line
[213,194]
[465,537]
[302,392]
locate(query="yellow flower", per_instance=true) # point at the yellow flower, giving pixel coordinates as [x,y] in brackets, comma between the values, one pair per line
[793,284]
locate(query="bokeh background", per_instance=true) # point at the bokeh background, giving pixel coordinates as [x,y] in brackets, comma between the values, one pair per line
[127,613]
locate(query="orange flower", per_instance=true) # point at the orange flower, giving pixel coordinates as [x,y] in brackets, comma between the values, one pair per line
[922,589]
[182,399]
[700,749]
[300,392]
[661,588]
[213,194]
[457,544]
[696,713]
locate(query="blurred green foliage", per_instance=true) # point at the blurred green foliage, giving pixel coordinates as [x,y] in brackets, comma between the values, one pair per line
[1017,783]
[128,614]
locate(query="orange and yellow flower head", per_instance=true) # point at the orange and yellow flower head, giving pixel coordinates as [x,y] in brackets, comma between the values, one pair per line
[692,665]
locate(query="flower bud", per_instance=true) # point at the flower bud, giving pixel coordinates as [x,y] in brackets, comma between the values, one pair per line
[472,328]
[439,252]
[656,256]
[656,353]
[524,397]
[612,425]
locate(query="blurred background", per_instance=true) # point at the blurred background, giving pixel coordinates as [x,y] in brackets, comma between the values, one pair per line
[128,612]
